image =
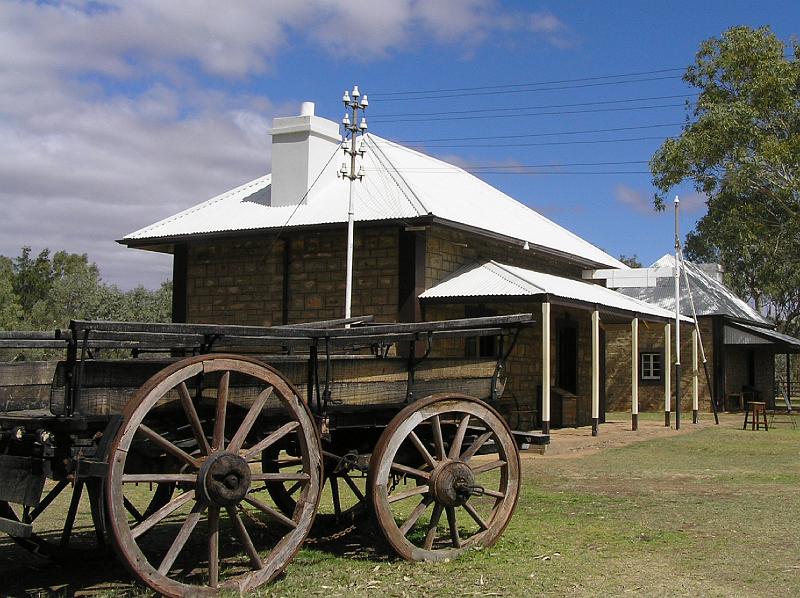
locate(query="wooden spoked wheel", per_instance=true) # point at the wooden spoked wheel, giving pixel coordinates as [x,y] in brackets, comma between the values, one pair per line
[215,526]
[448,455]
[63,545]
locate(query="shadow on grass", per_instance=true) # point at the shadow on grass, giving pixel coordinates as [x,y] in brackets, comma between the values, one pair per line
[80,572]
[94,570]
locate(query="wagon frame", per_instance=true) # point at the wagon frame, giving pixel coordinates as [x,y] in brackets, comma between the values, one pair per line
[196,436]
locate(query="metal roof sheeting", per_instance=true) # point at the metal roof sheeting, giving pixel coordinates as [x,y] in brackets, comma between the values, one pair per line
[771,335]
[400,183]
[711,297]
[492,279]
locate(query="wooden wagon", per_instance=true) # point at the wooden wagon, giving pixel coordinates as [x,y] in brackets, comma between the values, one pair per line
[206,472]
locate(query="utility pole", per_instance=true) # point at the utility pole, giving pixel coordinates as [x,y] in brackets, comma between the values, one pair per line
[353,103]
[677,275]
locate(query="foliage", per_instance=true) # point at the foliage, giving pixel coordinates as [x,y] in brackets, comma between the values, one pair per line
[44,292]
[10,309]
[632,261]
[741,148]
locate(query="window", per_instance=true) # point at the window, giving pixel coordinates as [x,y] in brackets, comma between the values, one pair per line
[482,346]
[650,366]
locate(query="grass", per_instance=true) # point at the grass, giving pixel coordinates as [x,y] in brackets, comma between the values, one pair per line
[710,513]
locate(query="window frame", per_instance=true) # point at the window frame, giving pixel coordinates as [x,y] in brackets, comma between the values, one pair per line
[651,378]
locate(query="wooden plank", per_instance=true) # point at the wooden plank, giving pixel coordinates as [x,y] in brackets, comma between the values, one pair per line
[21,480]
[289,332]
[15,528]
[23,373]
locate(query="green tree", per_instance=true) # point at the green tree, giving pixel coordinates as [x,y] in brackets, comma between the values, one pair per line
[32,277]
[741,148]
[632,261]
[10,309]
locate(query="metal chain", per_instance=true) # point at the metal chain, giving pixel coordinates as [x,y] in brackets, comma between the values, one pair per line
[311,540]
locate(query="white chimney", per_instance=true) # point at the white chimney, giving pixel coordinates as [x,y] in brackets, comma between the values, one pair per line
[301,146]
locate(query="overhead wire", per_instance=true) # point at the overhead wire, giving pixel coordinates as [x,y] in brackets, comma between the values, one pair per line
[552,134]
[544,143]
[541,107]
[513,87]
[516,166]
[509,91]
[550,113]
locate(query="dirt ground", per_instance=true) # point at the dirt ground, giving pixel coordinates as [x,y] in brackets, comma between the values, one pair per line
[616,432]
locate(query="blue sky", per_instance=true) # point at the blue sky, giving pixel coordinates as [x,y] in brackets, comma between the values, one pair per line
[116,114]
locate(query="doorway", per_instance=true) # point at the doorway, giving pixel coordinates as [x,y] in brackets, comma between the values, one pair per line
[567,355]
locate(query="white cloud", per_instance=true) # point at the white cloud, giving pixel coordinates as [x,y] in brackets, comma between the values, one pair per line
[107,123]
[693,202]
[642,202]
[634,199]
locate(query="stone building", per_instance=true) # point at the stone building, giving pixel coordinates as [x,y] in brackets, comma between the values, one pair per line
[431,242]
[740,345]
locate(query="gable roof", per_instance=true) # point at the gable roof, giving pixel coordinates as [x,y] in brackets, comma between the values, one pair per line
[493,279]
[711,297]
[400,184]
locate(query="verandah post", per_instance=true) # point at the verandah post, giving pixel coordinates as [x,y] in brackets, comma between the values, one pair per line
[635,374]
[546,367]
[595,371]
[695,375]
[667,373]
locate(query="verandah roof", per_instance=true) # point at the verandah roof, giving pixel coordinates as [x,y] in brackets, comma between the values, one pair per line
[490,279]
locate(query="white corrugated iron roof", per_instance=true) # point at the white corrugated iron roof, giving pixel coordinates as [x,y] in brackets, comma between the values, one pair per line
[711,297]
[400,183]
[492,279]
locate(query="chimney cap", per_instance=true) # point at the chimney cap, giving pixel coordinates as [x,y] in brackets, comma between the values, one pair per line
[307,109]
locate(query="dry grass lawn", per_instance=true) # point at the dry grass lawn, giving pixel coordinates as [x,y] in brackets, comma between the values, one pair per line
[710,511]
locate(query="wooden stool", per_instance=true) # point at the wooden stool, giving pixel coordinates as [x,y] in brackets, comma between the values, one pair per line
[756,410]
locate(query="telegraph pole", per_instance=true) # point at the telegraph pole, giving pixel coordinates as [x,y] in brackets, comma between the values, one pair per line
[353,103]
[677,275]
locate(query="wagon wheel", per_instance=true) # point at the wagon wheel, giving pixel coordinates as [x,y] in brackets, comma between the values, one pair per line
[219,530]
[60,546]
[471,474]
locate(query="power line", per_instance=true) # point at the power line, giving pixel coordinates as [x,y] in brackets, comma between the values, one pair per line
[507,91]
[553,134]
[512,109]
[576,172]
[475,167]
[530,84]
[545,143]
[552,113]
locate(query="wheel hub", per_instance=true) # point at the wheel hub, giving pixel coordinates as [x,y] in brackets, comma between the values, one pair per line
[223,479]
[451,483]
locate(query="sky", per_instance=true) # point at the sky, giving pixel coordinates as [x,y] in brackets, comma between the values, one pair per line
[114,115]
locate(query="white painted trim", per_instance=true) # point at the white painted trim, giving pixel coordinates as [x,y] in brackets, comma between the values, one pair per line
[595,364]
[635,366]
[667,367]
[695,373]
[634,277]
[545,361]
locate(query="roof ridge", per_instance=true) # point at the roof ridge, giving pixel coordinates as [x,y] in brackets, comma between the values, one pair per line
[503,196]
[394,171]
[505,269]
